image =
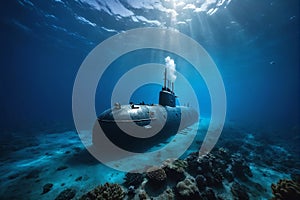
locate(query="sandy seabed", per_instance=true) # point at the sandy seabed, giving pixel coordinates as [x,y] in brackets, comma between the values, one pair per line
[46,164]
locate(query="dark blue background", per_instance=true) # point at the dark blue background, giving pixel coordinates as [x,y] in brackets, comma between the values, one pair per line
[254,43]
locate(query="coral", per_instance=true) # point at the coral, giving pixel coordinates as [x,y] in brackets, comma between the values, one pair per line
[206,162]
[143,195]
[212,166]
[108,191]
[156,175]
[201,182]
[175,169]
[178,165]
[187,189]
[228,175]
[217,177]
[168,194]
[193,167]
[285,190]
[133,179]
[47,187]
[239,191]
[223,153]
[240,168]
[67,194]
[131,191]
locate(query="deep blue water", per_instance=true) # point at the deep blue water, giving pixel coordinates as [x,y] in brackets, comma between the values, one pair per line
[254,43]
[44,44]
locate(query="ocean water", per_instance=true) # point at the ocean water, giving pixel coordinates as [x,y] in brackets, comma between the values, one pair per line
[254,44]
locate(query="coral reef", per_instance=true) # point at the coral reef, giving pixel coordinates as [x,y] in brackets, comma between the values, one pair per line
[133,179]
[187,189]
[285,190]
[213,167]
[131,191]
[175,169]
[108,191]
[193,164]
[168,194]
[240,168]
[209,170]
[156,175]
[67,194]
[201,182]
[143,195]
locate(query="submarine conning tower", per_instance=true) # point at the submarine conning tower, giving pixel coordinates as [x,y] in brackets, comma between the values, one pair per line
[166,95]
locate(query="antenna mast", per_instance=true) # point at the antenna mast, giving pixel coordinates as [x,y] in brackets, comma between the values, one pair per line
[165,80]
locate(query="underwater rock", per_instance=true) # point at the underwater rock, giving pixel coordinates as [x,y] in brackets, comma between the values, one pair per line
[67,194]
[234,145]
[47,187]
[285,190]
[223,153]
[13,176]
[187,189]
[201,182]
[209,194]
[78,178]
[239,191]
[206,162]
[67,152]
[108,191]
[77,149]
[131,191]
[33,174]
[168,194]
[143,195]
[175,169]
[193,167]
[156,175]
[228,175]
[296,177]
[63,167]
[217,178]
[133,179]
[240,168]
[215,160]
[259,187]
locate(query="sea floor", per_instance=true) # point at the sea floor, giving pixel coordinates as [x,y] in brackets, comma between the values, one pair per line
[44,165]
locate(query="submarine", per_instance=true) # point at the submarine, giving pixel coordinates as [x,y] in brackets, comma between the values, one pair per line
[138,127]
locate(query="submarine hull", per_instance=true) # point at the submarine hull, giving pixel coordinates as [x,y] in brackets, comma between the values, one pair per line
[138,128]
